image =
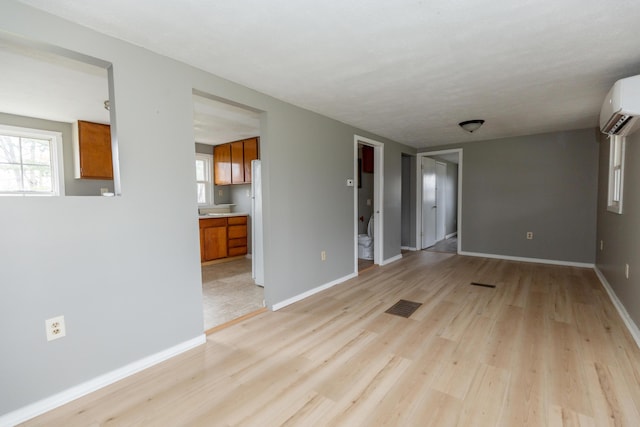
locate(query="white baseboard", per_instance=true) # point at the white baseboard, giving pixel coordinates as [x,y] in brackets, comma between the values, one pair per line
[33,410]
[392,259]
[299,297]
[408,248]
[631,326]
[535,260]
[448,236]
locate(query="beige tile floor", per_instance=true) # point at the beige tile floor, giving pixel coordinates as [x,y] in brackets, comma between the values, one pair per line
[228,292]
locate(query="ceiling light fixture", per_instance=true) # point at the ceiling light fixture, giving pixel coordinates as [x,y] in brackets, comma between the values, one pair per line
[471,125]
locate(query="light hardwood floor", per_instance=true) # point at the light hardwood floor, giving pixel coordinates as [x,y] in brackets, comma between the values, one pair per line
[545,347]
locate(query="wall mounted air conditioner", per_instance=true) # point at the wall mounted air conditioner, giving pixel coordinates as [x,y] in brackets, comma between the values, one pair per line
[621,107]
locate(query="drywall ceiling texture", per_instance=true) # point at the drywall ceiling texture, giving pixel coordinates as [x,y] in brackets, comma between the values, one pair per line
[407,70]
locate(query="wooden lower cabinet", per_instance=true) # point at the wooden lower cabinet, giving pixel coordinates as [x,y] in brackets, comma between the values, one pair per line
[222,237]
[237,234]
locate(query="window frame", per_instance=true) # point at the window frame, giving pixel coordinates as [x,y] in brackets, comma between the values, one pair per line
[208,159]
[57,162]
[617,146]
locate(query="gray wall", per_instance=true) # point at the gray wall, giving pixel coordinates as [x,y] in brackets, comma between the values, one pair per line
[408,202]
[115,266]
[621,233]
[543,183]
[72,186]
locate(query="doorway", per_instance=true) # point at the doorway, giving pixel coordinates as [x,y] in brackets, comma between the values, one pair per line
[368,202]
[228,134]
[439,178]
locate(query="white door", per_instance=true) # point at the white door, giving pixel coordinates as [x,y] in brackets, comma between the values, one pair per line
[428,202]
[441,183]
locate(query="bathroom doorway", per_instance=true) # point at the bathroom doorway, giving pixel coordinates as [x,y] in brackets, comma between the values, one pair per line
[368,202]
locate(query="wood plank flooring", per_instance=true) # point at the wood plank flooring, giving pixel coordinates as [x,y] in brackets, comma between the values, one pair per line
[545,347]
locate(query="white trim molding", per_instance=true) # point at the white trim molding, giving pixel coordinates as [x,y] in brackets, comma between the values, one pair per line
[392,259]
[277,306]
[454,234]
[33,410]
[629,323]
[408,248]
[534,260]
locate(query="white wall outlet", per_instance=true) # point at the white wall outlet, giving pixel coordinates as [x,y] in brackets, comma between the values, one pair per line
[55,328]
[368,202]
[349,183]
[248,193]
[323,256]
[529,235]
[626,271]
[220,193]
[601,245]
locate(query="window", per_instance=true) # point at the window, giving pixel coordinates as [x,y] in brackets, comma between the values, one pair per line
[30,162]
[616,173]
[204,178]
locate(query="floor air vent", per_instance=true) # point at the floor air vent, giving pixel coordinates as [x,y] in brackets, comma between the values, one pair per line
[484,285]
[404,308]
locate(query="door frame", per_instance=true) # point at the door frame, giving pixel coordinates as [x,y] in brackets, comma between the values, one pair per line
[419,157]
[378,199]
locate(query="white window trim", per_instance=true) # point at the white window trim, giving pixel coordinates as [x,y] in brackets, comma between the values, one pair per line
[208,158]
[616,174]
[57,163]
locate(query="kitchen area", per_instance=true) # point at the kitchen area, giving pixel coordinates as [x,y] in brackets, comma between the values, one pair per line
[227,149]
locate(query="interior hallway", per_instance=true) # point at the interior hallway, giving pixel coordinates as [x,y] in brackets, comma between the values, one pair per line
[544,347]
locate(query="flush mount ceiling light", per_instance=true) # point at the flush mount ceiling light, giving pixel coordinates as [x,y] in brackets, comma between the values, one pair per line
[471,125]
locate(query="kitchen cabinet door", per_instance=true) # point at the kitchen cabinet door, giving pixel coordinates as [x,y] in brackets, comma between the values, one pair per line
[222,164]
[94,151]
[214,243]
[237,162]
[250,153]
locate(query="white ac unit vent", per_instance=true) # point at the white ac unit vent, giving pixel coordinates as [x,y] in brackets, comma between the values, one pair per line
[621,108]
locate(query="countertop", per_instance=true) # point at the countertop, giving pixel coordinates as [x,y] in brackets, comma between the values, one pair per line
[222,215]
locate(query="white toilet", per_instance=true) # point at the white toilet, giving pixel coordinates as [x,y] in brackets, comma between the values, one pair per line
[365,242]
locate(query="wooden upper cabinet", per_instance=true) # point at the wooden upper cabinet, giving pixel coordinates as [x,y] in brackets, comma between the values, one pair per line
[94,151]
[222,164]
[232,161]
[250,153]
[237,162]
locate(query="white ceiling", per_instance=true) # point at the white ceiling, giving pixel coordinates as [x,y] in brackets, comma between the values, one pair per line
[48,86]
[217,122]
[409,70]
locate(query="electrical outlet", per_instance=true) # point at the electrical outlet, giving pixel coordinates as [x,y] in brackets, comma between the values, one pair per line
[220,193]
[323,256]
[529,235]
[55,328]
[626,270]
[601,245]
